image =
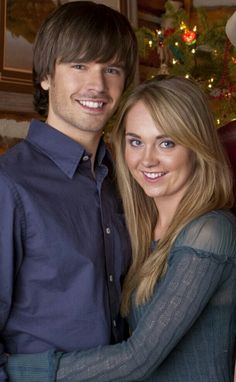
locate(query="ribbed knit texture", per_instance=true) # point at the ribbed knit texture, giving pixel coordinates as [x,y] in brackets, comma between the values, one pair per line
[43,371]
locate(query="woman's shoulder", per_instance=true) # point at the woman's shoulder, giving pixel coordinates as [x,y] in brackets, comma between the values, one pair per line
[213,232]
[215,218]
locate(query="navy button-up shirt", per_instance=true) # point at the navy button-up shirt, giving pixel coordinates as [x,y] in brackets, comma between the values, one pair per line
[64,247]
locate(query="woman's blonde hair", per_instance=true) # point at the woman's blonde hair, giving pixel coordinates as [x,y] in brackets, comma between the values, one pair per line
[180,109]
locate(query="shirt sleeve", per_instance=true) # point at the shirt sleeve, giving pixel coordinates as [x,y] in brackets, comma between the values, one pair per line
[190,281]
[10,254]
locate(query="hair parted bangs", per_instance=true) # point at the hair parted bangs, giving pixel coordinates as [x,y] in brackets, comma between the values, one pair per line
[95,41]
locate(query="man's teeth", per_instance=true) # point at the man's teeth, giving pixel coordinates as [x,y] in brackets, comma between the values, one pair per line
[92,104]
[153,175]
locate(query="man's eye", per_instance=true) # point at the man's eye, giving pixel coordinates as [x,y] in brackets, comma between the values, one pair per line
[78,66]
[113,71]
[167,144]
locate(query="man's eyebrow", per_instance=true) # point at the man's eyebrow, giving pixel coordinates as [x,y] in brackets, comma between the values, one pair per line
[117,64]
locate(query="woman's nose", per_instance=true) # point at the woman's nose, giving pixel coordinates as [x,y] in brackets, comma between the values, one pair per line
[150,157]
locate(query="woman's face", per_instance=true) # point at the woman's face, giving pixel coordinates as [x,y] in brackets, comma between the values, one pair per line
[160,166]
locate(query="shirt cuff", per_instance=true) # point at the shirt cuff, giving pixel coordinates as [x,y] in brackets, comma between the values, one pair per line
[38,367]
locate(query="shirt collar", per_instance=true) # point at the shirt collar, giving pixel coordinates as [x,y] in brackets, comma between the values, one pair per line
[62,150]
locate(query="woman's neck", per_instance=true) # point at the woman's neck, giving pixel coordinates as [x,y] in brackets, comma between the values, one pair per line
[166,213]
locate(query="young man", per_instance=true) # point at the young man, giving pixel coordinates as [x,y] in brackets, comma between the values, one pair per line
[63,242]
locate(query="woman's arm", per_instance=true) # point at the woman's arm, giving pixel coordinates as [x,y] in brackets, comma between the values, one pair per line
[178,301]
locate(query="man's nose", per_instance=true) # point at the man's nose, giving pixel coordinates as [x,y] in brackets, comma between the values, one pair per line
[97,81]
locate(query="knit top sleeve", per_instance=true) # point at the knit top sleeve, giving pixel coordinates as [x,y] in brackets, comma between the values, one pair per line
[196,268]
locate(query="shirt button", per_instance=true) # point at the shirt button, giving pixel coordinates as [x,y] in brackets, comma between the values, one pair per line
[108,231]
[85,158]
[114,323]
[111,278]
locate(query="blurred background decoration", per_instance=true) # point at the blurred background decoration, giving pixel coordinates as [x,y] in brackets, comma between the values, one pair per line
[184,37]
[25,16]
[199,50]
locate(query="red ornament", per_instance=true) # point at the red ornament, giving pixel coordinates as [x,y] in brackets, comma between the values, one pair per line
[168,32]
[189,37]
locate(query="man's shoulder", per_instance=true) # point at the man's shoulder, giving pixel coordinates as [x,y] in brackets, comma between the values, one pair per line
[10,153]
[14,159]
[228,131]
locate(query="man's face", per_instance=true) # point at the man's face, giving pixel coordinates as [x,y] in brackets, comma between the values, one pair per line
[83,96]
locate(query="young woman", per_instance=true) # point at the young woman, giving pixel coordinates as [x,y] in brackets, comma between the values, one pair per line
[179,294]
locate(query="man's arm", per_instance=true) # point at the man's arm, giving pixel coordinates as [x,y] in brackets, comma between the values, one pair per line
[10,255]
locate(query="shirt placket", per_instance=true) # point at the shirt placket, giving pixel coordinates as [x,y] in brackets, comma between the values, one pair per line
[109,247]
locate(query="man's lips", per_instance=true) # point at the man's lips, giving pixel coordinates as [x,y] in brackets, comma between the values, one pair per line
[92,104]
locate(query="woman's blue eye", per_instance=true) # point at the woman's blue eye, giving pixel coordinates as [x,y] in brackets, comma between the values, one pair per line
[167,144]
[135,142]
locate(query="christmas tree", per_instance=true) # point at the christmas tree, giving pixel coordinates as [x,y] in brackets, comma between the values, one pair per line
[201,51]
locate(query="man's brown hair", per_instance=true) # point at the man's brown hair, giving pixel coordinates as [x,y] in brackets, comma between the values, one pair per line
[82,31]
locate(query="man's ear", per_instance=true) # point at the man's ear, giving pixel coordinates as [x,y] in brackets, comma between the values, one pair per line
[45,84]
